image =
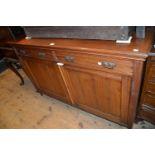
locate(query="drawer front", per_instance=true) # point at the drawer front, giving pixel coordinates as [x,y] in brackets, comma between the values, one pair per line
[37,53]
[153,59]
[151,87]
[147,113]
[149,100]
[151,74]
[92,61]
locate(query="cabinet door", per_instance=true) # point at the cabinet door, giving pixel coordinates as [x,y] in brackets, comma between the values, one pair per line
[47,77]
[101,93]
[26,69]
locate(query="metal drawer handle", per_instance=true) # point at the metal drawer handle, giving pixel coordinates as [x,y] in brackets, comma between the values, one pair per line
[41,54]
[109,65]
[69,58]
[22,52]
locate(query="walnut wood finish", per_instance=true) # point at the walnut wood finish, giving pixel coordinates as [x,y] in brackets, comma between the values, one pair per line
[99,92]
[44,73]
[101,77]
[94,46]
[146,109]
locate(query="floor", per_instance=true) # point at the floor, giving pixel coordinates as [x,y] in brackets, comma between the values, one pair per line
[23,107]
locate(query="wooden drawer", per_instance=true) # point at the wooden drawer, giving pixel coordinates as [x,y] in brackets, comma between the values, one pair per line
[149,100]
[151,88]
[153,59]
[96,62]
[151,73]
[38,53]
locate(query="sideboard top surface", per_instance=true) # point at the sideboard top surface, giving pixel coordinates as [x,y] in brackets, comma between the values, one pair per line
[100,46]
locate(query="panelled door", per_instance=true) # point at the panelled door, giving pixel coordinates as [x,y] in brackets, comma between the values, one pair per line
[47,77]
[101,93]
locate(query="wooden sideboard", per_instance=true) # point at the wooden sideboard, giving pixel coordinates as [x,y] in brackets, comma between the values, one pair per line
[146,108]
[100,77]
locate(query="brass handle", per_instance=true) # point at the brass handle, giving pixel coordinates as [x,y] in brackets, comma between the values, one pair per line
[106,64]
[41,54]
[69,58]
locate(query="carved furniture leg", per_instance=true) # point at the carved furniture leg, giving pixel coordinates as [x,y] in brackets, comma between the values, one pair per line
[9,62]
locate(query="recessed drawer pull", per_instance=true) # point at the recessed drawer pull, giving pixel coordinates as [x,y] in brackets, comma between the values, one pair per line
[106,64]
[69,58]
[41,55]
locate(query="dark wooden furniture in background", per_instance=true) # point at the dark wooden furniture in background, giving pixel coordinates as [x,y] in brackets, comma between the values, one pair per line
[146,109]
[7,52]
[101,77]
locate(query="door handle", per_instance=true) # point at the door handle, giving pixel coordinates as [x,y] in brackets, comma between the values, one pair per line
[69,58]
[23,52]
[41,55]
[106,64]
